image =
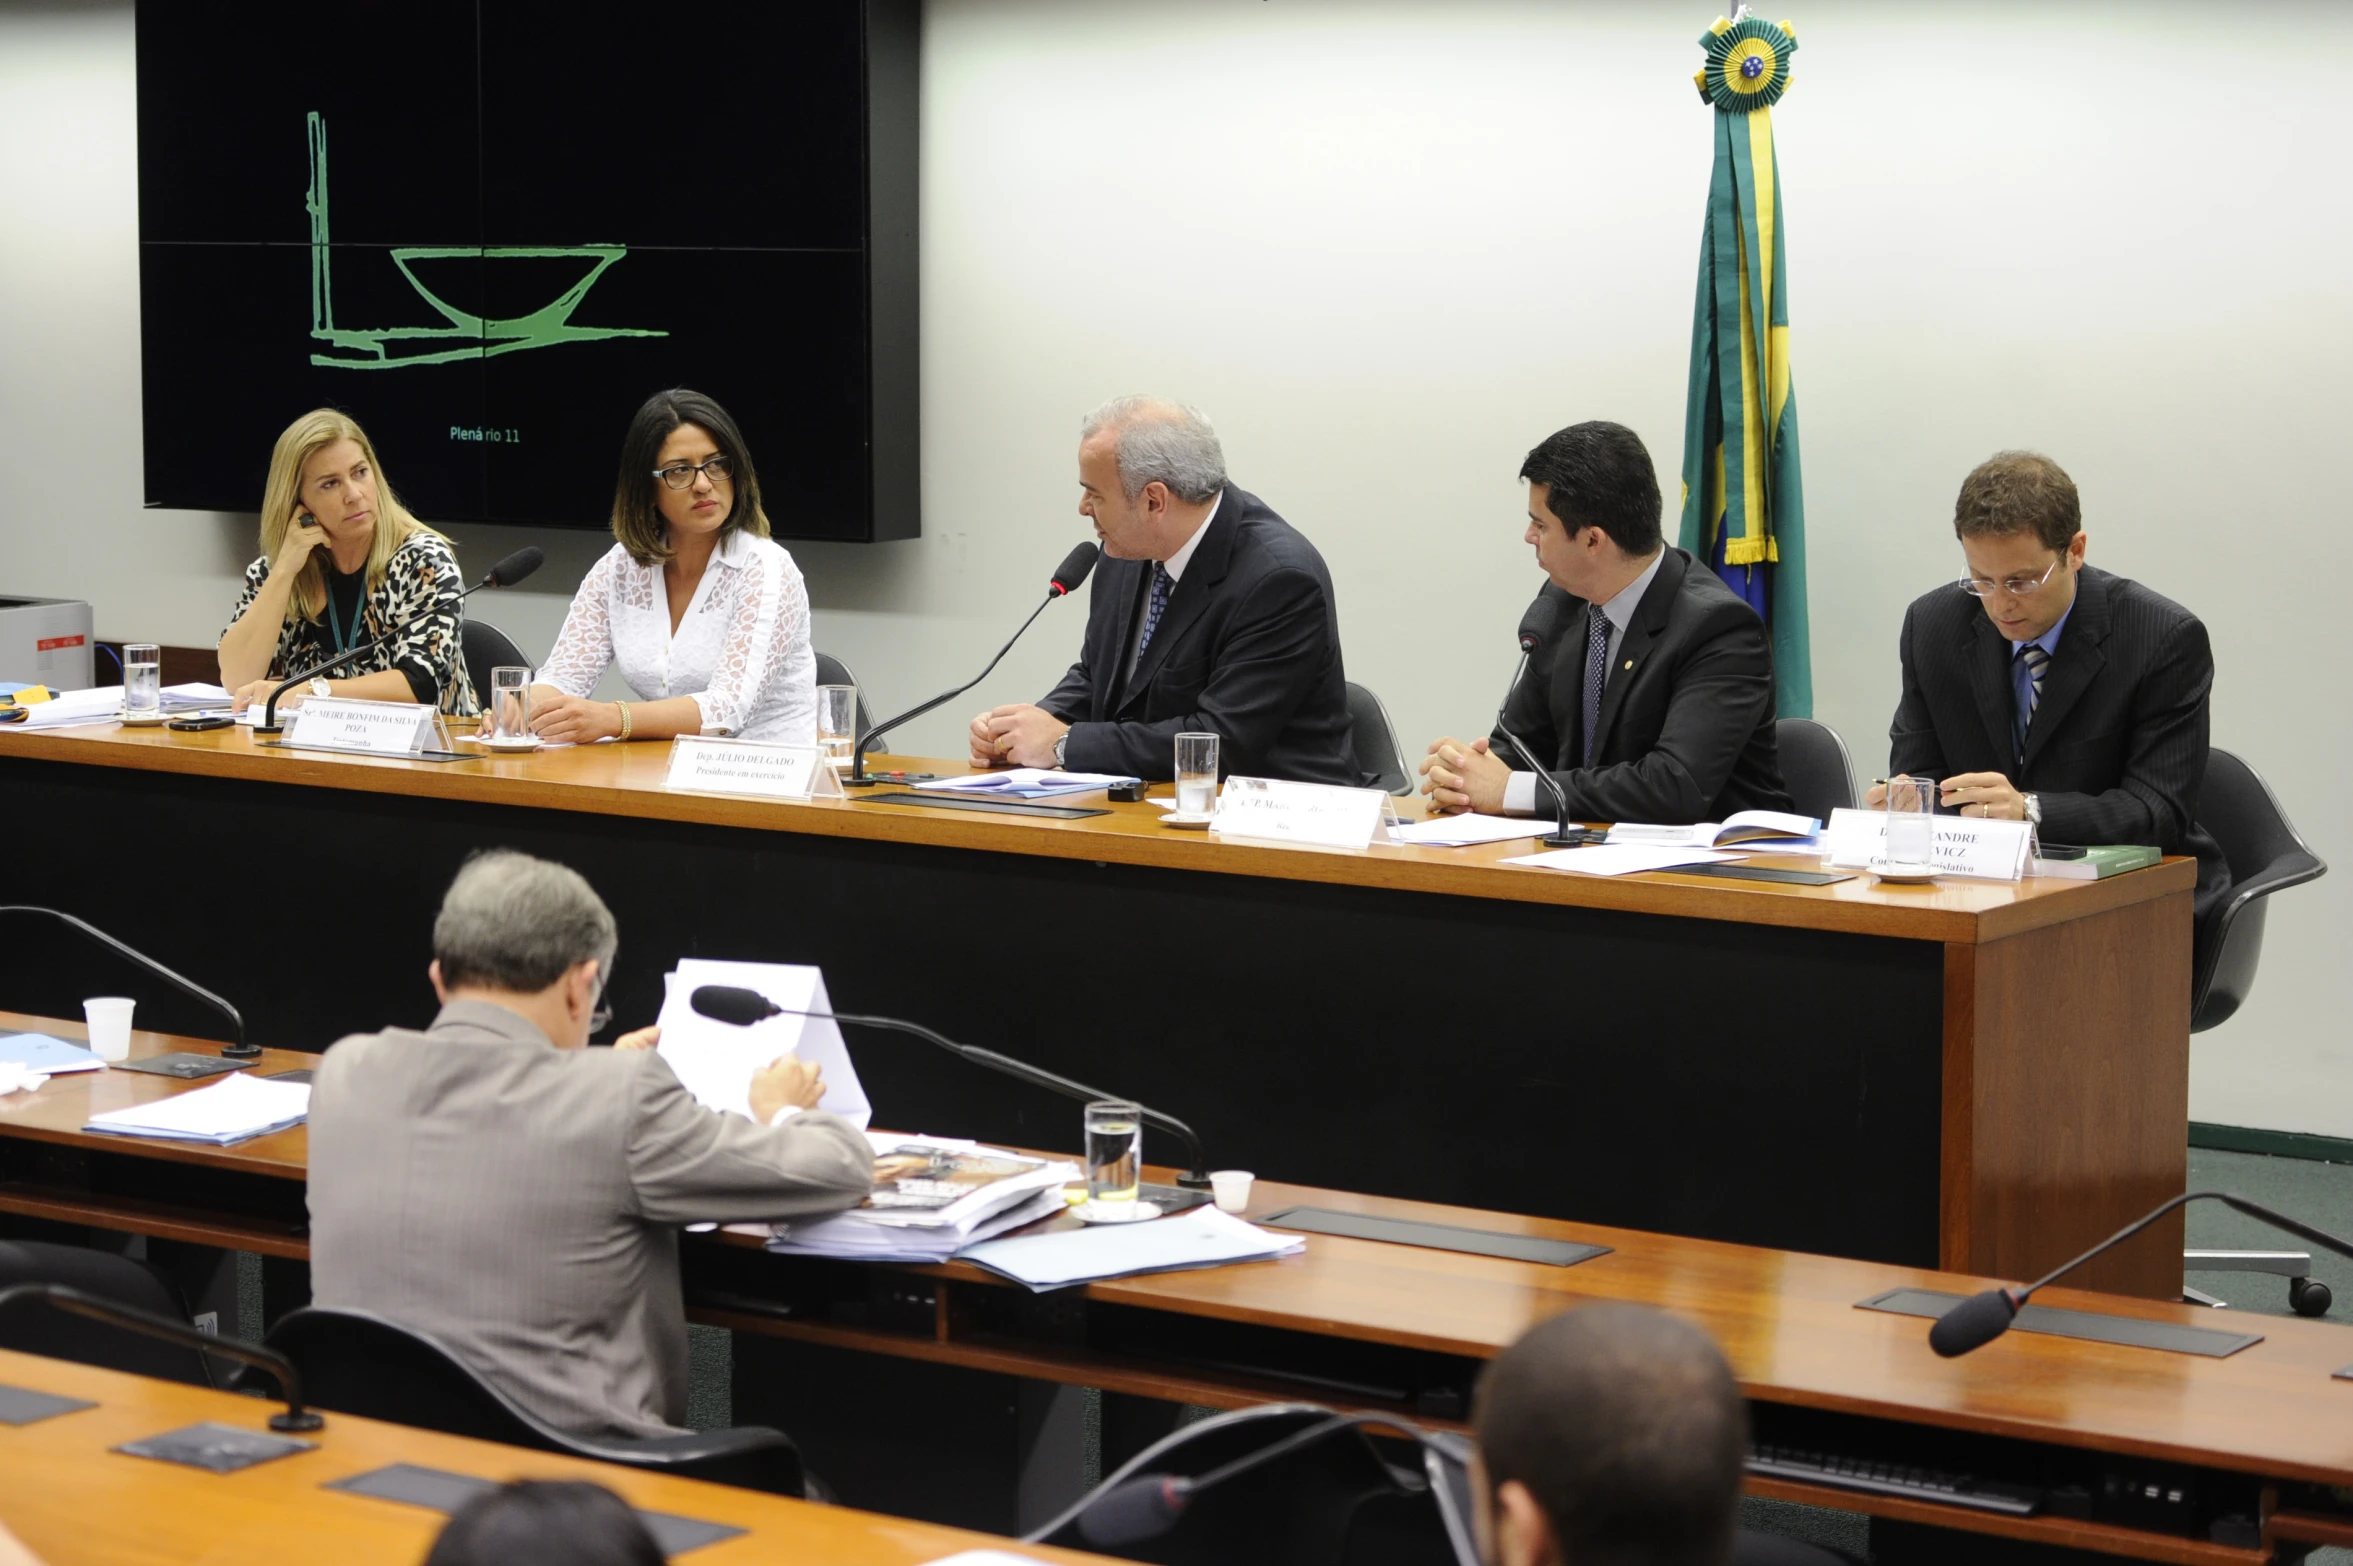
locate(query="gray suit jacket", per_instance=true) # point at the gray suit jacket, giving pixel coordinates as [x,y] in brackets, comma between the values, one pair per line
[521,1204]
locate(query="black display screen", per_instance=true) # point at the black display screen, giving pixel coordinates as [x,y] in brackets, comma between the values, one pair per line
[489,229]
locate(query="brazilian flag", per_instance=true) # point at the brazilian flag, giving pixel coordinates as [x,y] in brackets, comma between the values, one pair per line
[1743,502]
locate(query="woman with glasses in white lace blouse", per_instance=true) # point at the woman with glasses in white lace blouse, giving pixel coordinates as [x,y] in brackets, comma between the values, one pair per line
[705,614]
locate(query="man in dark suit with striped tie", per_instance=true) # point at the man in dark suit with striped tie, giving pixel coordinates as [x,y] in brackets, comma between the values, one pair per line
[2039,688]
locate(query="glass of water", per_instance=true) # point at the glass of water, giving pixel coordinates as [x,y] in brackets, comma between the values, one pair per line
[1115,1154]
[837,723]
[1911,821]
[508,717]
[142,681]
[1196,774]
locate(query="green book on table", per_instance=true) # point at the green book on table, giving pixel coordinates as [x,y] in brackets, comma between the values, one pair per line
[2097,864]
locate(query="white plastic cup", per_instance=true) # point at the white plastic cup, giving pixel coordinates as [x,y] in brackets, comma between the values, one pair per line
[109,1017]
[1231,1188]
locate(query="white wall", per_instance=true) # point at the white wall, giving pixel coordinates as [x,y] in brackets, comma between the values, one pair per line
[1388,246]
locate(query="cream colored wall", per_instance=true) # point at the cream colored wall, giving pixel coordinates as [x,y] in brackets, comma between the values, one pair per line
[1388,246]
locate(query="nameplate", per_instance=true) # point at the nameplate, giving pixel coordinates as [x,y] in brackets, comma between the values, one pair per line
[1986,850]
[1280,812]
[770,769]
[375,728]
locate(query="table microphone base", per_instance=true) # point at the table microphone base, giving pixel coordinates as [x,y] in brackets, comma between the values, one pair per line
[1575,837]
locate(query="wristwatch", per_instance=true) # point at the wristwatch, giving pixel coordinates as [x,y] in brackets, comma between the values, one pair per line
[1061,741]
[321,688]
[2034,808]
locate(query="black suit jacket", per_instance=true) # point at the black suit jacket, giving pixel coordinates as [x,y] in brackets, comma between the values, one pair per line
[2117,749]
[1686,728]
[1248,649]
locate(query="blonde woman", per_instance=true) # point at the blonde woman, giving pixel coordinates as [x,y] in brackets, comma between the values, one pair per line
[342,565]
[706,615]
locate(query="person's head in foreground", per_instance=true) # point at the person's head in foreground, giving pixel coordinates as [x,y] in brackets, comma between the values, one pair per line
[545,1522]
[1609,1436]
[530,936]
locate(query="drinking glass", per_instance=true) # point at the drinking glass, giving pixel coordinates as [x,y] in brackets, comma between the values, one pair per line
[1196,774]
[837,723]
[508,717]
[1115,1153]
[1911,821]
[142,680]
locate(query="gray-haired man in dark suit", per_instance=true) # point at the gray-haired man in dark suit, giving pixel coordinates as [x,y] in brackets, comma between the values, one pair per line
[495,1186]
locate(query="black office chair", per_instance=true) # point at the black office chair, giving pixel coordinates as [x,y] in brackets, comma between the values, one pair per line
[832,671]
[1814,767]
[34,1328]
[2265,855]
[485,647]
[359,1363]
[1334,1501]
[1375,740]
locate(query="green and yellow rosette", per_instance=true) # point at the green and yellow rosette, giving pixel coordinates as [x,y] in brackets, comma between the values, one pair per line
[1748,64]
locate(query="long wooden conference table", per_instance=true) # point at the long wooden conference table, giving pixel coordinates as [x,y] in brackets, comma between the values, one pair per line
[75,1500]
[1973,1075]
[2142,1452]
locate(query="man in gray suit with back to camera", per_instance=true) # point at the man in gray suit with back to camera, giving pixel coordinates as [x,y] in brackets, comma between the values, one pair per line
[494,1185]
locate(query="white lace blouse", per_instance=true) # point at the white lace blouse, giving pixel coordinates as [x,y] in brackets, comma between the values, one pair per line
[741,650]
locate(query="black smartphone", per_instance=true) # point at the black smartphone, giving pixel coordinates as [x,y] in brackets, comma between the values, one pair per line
[307,520]
[198,725]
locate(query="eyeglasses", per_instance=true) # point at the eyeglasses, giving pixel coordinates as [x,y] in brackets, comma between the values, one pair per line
[680,475]
[2015,586]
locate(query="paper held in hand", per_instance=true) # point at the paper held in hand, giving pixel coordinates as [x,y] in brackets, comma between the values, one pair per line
[715,1060]
[374,728]
[769,768]
[1282,812]
[1966,846]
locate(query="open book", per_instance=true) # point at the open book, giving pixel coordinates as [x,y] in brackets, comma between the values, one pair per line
[1750,826]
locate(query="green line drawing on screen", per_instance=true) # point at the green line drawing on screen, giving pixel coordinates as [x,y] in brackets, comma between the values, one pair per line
[376,348]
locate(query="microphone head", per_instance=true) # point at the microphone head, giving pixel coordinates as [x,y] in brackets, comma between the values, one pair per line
[517,566]
[1137,1509]
[1973,1323]
[1074,569]
[730,1004]
[1536,625]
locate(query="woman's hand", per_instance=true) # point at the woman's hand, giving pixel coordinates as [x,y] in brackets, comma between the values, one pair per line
[571,720]
[255,692]
[294,552]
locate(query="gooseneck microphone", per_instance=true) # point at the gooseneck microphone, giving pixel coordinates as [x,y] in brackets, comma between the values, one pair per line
[1149,1505]
[506,573]
[742,1007]
[1067,576]
[240,1050]
[1981,1318]
[131,1319]
[1536,626]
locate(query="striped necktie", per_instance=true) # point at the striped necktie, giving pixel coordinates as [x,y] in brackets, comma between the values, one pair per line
[1162,585]
[2036,660]
[1597,668]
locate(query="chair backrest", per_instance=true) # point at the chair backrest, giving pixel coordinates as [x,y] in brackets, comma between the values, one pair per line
[832,671]
[356,1362]
[485,647]
[2265,855]
[1332,1502]
[1375,740]
[34,1328]
[1814,767]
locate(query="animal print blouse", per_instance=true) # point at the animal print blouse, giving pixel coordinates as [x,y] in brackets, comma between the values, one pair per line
[415,609]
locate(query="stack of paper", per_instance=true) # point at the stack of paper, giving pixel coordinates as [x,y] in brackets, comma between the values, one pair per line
[1776,828]
[233,1109]
[1465,830]
[1203,1237]
[1621,858]
[933,1197]
[39,1052]
[715,1060]
[1027,783]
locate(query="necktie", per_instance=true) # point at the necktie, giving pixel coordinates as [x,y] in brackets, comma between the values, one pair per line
[1162,585]
[2036,661]
[1597,669]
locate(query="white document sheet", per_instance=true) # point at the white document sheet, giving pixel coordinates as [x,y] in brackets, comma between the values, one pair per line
[1203,1237]
[1621,858]
[1463,831]
[715,1060]
[230,1110]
